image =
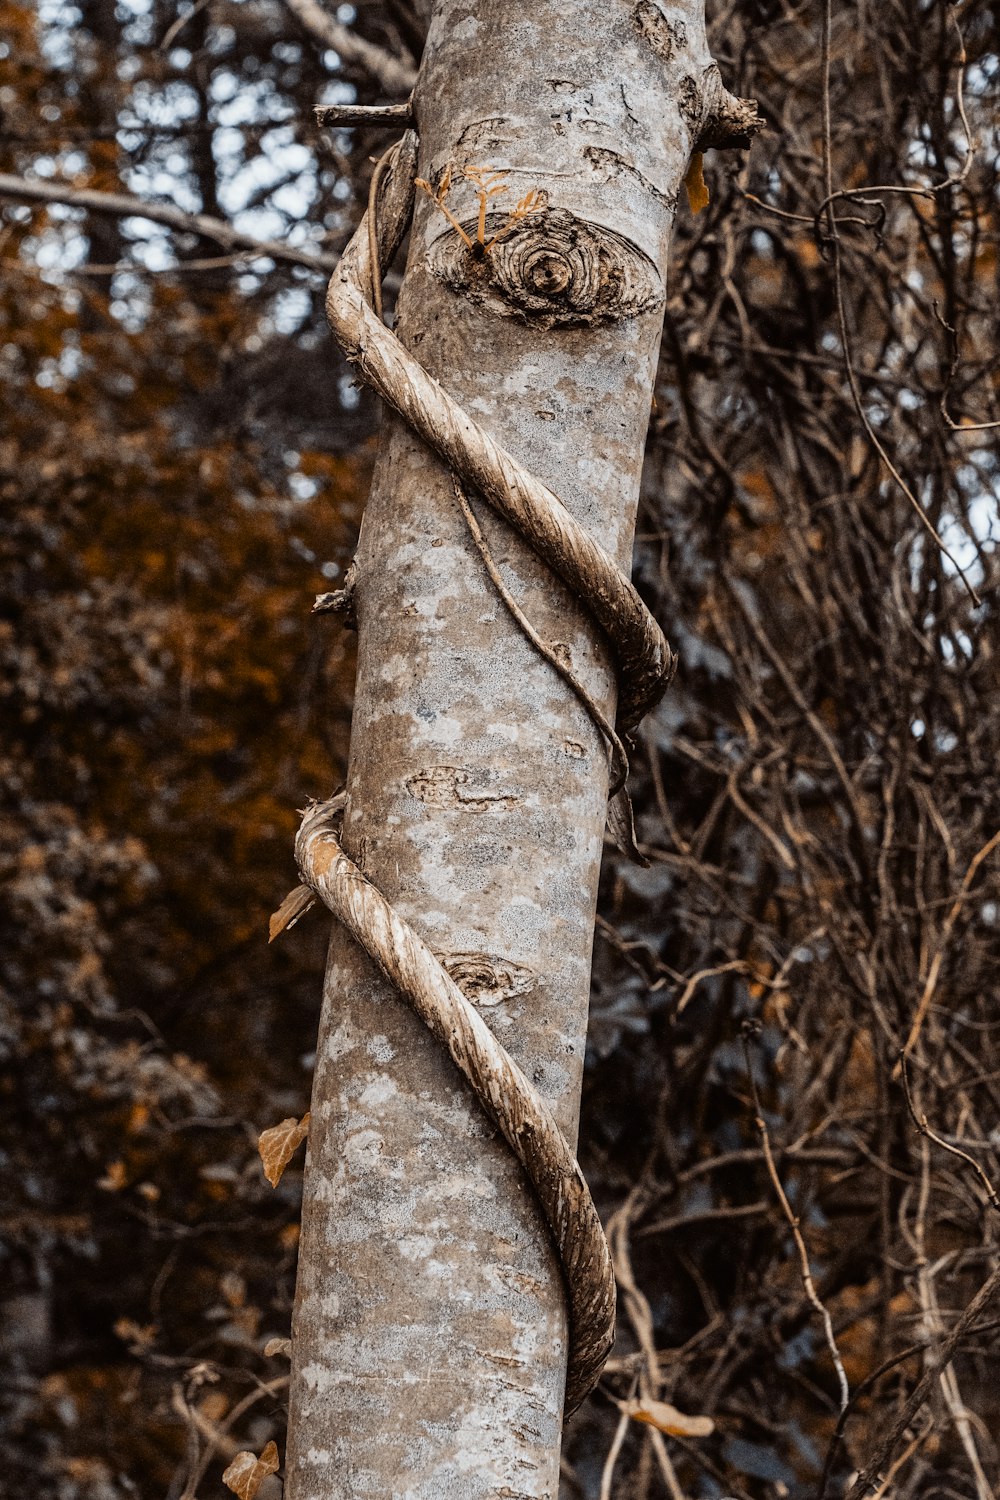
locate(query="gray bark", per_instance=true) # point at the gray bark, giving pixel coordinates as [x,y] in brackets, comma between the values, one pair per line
[429,1335]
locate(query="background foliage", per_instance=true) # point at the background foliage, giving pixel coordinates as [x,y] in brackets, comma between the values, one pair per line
[183,463]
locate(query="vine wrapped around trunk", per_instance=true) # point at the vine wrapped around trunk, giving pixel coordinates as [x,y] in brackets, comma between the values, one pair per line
[520,371]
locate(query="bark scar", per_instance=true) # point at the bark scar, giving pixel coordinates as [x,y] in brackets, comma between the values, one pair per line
[613,161]
[487,980]
[445,786]
[665,38]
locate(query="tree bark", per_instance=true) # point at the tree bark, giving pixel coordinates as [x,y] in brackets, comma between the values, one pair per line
[429,1336]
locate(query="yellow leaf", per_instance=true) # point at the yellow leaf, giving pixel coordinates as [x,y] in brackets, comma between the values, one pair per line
[247,1473]
[697,189]
[278,1145]
[667,1418]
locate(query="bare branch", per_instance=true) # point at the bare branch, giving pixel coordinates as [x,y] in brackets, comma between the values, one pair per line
[942,1358]
[122,206]
[920,1121]
[344,115]
[397,76]
[792,1219]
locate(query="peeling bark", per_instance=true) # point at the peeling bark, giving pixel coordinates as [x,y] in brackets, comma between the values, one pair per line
[429,1341]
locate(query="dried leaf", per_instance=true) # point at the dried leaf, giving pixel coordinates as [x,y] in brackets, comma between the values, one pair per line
[621,826]
[278,1145]
[214,1405]
[114,1179]
[667,1418]
[294,906]
[138,1336]
[234,1289]
[697,188]
[275,1347]
[247,1473]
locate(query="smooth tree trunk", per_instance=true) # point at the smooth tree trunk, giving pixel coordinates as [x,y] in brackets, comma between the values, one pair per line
[429,1336]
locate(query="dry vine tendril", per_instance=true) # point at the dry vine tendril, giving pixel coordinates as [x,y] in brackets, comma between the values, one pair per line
[645,665]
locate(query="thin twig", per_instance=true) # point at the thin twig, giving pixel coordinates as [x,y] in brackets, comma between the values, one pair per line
[217,1434]
[122,206]
[833,239]
[608,1472]
[953,366]
[867,1384]
[396,75]
[920,1121]
[933,972]
[793,1223]
[943,1355]
[174,31]
[619,758]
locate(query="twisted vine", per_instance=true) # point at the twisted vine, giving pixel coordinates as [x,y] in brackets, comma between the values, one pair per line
[644,663]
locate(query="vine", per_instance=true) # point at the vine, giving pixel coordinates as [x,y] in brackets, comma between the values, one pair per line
[645,665]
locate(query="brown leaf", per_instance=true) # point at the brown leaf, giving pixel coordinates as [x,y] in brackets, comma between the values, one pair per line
[294,906]
[621,826]
[247,1473]
[114,1179]
[697,188]
[278,1145]
[667,1418]
[274,1347]
[138,1336]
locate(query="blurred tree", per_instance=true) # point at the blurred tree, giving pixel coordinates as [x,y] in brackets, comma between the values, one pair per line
[183,461]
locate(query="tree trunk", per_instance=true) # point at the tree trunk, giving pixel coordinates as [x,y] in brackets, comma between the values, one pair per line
[429,1340]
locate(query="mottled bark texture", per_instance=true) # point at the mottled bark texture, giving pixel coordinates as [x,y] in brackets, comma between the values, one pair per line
[502,1088]
[430,1334]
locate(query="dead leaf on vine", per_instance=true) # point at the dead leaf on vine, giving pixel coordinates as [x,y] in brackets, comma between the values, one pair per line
[247,1473]
[697,188]
[667,1418]
[294,906]
[278,1145]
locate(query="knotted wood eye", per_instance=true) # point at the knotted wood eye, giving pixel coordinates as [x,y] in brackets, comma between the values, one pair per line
[552,269]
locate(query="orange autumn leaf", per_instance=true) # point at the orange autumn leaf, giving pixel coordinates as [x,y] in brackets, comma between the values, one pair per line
[114,1179]
[247,1473]
[278,1145]
[697,188]
[667,1418]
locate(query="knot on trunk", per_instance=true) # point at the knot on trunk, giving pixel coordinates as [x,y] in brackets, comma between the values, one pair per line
[553,270]
[487,980]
